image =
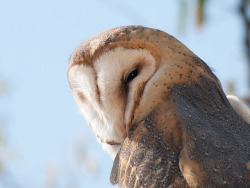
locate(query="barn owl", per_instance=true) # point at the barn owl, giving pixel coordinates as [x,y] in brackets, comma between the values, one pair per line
[159,111]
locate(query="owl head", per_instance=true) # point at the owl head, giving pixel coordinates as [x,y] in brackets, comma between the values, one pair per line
[120,75]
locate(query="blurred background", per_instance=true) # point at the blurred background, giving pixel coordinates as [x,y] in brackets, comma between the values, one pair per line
[44,140]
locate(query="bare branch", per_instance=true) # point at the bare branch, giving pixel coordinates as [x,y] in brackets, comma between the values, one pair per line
[246,18]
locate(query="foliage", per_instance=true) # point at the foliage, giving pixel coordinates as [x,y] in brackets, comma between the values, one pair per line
[201,7]
[200,12]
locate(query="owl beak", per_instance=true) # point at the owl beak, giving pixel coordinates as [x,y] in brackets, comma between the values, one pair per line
[121,130]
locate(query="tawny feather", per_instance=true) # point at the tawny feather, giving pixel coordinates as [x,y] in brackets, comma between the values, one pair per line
[171,124]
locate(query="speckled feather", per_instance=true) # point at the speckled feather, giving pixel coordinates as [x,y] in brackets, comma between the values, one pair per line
[149,156]
[219,138]
[219,141]
[181,130]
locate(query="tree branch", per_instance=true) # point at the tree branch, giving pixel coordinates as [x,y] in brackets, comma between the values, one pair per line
[243,11]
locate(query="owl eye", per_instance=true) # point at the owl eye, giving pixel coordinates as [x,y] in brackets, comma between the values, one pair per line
[132,75]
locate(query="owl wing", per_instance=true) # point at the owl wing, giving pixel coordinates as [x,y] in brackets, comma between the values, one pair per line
[144,160]
[218,138]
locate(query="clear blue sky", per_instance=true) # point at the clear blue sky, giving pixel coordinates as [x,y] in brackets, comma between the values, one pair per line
[43,125]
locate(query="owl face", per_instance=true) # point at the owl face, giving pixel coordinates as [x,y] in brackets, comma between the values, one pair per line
[109,92]
[119,76]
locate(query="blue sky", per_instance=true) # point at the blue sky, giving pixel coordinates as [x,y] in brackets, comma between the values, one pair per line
[43,126]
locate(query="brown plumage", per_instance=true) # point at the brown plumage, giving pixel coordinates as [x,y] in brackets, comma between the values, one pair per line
[171,125]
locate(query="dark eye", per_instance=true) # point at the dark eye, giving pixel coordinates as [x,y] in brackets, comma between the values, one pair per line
[132,75]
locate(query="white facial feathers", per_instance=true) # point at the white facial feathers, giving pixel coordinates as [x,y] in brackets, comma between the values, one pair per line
[83,83]
[105,97]
[112,70]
